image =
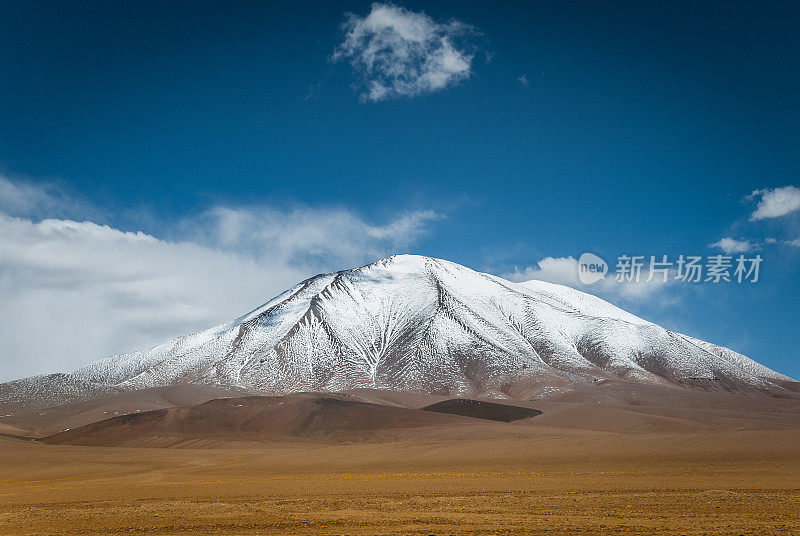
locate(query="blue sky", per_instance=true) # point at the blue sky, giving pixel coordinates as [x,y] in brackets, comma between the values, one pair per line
[167,166]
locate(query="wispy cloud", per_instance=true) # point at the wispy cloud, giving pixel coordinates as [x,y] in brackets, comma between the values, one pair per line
[19,196]
[75,291]
[401,53]
[731,245]
[304,235]
[564,271]
[775,202]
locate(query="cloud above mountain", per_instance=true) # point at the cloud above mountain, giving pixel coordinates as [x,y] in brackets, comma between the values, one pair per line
[401,53]
[564,271]
[305,235]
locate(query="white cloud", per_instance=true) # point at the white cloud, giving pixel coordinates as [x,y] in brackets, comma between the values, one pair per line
[795,242]
[561,270]
[564,271]
[398,52]
[336,237]
[775,202]
[730,245]
[76,291]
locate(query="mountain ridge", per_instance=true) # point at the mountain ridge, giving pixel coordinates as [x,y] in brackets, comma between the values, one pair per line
[414,323]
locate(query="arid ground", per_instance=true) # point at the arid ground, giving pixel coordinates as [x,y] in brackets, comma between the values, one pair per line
[591,464]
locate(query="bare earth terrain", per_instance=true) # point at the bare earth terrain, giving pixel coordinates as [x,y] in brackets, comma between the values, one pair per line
[607,460]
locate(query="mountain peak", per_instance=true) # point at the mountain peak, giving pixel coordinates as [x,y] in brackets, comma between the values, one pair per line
[406,261]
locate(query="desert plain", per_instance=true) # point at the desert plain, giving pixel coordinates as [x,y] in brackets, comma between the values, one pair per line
[608,459]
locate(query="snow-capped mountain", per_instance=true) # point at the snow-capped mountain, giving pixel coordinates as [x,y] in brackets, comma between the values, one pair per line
[417,323]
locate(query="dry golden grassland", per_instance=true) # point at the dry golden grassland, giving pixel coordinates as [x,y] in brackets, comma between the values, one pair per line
[588,483]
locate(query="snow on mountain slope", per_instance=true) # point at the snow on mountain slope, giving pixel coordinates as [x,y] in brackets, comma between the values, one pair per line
[416,323]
